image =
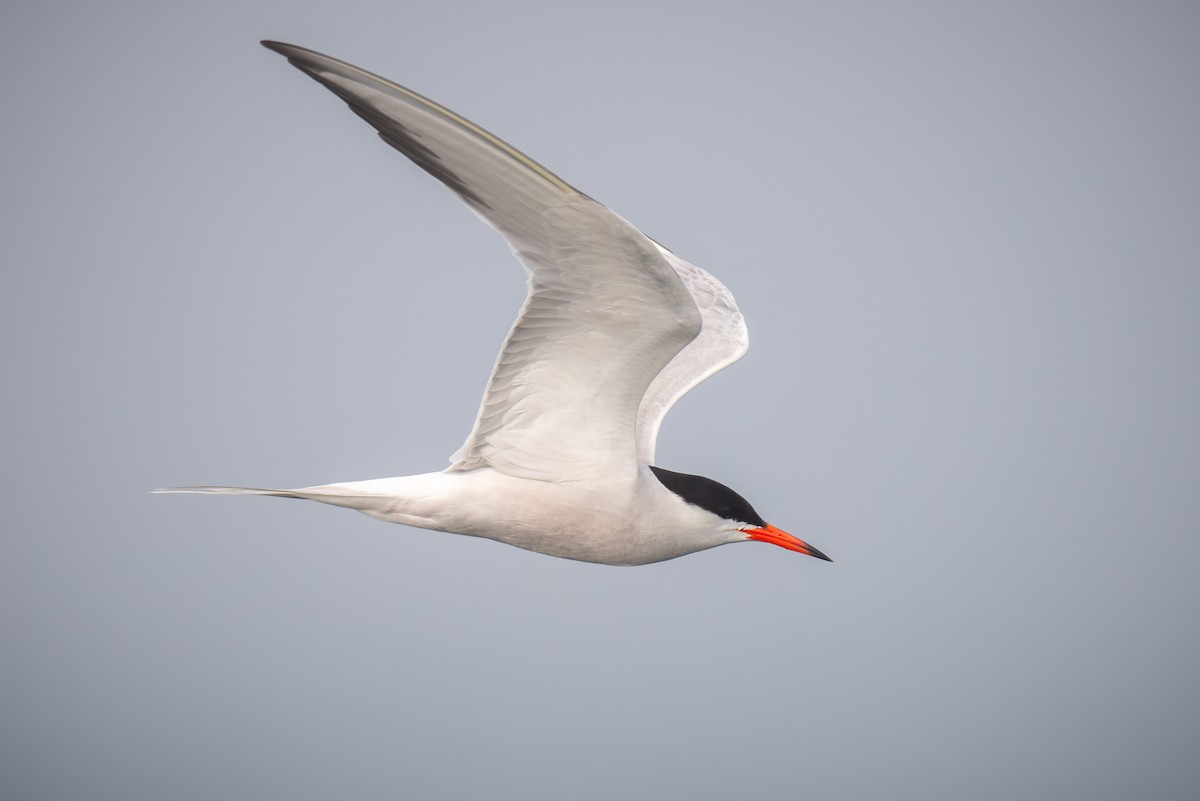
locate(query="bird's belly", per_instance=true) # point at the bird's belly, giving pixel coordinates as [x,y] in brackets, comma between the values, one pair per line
[561,521]
[605,522]
[588,523]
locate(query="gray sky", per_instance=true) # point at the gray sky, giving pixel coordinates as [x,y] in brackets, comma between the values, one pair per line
[967,242]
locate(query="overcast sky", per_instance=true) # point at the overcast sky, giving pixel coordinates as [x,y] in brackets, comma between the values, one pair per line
[966,238]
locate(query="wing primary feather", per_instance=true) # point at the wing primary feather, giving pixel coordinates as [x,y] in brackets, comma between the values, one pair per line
[296,56]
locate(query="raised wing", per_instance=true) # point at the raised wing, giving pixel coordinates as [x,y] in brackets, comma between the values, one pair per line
[723,340]
[606,311]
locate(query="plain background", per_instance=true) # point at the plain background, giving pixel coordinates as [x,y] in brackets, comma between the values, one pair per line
[966,238]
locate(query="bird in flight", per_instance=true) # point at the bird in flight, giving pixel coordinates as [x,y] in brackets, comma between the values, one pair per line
[615,329]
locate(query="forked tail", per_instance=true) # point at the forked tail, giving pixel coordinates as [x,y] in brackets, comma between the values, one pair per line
[348,496]
[234,491]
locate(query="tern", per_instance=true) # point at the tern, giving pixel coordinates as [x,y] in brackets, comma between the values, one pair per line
[615,329]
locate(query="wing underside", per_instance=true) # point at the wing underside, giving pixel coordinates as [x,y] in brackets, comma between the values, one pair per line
[606,310]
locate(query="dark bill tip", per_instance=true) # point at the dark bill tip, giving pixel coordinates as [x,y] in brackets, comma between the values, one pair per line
[814,552]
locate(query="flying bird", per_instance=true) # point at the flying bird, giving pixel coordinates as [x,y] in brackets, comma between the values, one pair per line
[615,329]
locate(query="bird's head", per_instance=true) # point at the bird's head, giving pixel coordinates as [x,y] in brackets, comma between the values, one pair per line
[734,513]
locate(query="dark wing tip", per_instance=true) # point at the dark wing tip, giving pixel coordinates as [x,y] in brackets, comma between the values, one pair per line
[278,47]
[390,130]
[301,57]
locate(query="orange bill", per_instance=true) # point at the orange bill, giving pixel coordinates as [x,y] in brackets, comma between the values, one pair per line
[779,537]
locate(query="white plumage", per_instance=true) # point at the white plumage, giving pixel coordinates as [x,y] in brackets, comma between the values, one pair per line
[615,329]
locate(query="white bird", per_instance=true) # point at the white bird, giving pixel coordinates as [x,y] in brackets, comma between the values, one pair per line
[615,329]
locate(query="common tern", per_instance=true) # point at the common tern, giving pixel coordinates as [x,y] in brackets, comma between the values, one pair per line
[615,330]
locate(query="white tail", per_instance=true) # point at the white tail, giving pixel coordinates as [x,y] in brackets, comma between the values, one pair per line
[232,491]
[412,500]
[345,495]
